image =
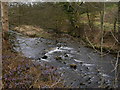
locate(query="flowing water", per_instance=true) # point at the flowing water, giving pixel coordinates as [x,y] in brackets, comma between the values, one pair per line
[79,66]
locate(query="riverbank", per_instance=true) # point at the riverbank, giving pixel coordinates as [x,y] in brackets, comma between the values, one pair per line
[21,72]
[110,44]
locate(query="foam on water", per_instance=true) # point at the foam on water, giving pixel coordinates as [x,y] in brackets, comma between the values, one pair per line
[54,50]
[66,48]
[88,64]
[105,75]
[78,60]
[58,49]
[45,60]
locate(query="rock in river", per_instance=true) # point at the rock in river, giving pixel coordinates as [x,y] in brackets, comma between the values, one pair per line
[58,58]
[66,55]
[45,57]
[74,66]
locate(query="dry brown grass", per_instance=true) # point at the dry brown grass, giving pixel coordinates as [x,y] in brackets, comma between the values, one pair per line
[32,31]
[21,72]
[110,41]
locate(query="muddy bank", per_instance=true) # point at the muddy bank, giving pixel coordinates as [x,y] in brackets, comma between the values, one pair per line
[79,66]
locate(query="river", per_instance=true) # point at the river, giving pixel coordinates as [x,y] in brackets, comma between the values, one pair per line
[79,66]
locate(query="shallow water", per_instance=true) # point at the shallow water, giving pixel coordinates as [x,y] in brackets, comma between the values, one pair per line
[80,66]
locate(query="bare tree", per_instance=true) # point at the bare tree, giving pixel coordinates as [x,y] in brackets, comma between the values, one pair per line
[4,23]
[90,16]
[102,15]
[115,22]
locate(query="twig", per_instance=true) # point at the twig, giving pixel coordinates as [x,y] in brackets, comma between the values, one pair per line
[92,45]
[109,50]
[114,37]
[35,80]
[116,64]
[56,82]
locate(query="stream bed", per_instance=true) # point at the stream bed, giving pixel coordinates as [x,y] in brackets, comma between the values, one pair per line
[79,66]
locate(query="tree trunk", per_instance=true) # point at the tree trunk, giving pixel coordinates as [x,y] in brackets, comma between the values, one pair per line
[115,22]
[89,22]
[4,15]
[4,19]
[102,30]
[118,68]
[119,22]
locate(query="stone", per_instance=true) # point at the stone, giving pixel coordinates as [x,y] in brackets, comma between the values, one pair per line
[58,58]
[66,55]
[64,62]
[74,66]
[81,62]
[82,83]
[45,57]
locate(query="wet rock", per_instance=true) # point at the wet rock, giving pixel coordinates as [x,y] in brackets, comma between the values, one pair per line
[74,66]
[66,55]
[45,57]
[81,62]
[64,62]
[82,83]
[98,71]
[58,58]
[89,82]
